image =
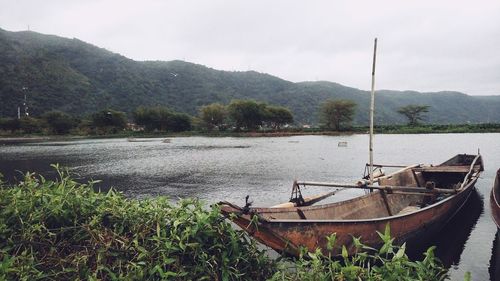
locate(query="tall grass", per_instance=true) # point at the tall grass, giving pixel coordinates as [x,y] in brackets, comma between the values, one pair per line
[64,230]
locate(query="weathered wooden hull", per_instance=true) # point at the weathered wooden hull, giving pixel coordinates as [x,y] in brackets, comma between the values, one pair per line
[495,200]
[288,235]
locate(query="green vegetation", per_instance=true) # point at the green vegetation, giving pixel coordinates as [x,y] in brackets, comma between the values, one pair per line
[277,117]
[389,263]
[179,122]
[161,119]
[10,127]
[30,125]
[9,124]
[78,78]
[242,114]
[337,114]
[108,121]
[25,125]
[213,116]
[59,122]
[246,114]
[64,230]
[434,129]
[414,113]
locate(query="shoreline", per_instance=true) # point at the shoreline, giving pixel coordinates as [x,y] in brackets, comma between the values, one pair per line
[6,140]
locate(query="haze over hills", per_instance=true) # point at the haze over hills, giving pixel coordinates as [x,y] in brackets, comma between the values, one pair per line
[79,78]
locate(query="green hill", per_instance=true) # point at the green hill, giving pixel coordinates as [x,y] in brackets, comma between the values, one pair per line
[79,78]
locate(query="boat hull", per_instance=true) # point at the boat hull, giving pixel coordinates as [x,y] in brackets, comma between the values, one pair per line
[412,217]
[288,236]
[495,200]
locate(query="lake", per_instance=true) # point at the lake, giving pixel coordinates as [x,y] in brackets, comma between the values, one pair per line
[215,169]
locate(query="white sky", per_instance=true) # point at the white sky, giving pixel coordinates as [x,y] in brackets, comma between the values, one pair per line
[423,45]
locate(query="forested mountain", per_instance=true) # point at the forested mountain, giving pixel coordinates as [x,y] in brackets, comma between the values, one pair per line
[79,78]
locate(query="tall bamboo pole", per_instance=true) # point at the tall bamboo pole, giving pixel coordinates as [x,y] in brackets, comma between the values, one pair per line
[372,108]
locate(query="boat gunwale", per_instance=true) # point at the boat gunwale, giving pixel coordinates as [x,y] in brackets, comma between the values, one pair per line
[466,188]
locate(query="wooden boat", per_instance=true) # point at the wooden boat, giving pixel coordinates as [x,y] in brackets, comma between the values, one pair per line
[415,202]
[495,200]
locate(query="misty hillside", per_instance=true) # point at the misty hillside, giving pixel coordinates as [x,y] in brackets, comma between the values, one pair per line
[79,78]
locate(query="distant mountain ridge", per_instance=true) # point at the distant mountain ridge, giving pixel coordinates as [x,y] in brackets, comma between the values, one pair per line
[79,78]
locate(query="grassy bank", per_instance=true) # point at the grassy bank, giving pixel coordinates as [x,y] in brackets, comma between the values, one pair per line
[64,230]
[438,129]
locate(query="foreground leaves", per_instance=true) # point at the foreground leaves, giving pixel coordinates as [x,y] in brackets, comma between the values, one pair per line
[64,230]
[388,263]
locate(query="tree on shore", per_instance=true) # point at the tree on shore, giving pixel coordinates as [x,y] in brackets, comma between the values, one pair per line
[10,124]
[59,122]
[213,116]
[414,113]
[278,116]
[152,118]
[247,114]
[25,124]
[109,121]
[337,114]
[161,119]
[179,122]
[30,125]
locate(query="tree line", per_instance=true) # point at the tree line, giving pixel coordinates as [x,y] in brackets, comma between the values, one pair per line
[57,122]
[244,115]
[238,115]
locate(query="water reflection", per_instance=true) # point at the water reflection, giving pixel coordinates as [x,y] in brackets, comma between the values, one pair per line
[494,268]
[450,241]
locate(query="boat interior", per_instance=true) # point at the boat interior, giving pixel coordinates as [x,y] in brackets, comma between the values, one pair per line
[448,175]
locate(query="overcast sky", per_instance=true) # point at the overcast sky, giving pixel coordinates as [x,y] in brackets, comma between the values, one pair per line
[423,45]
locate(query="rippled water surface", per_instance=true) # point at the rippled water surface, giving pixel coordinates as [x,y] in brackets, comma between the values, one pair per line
[216,169]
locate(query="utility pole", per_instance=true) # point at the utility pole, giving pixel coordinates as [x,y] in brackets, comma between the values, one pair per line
[25,103]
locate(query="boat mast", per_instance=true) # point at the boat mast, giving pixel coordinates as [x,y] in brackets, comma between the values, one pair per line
[372,108]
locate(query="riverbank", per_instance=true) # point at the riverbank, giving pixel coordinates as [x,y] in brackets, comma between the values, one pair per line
[35,139]
[385,129]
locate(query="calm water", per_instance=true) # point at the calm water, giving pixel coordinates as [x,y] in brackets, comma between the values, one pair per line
[215,169]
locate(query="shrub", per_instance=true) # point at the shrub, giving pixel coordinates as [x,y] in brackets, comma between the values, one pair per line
[59,122]
[64,230]
[109,121]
